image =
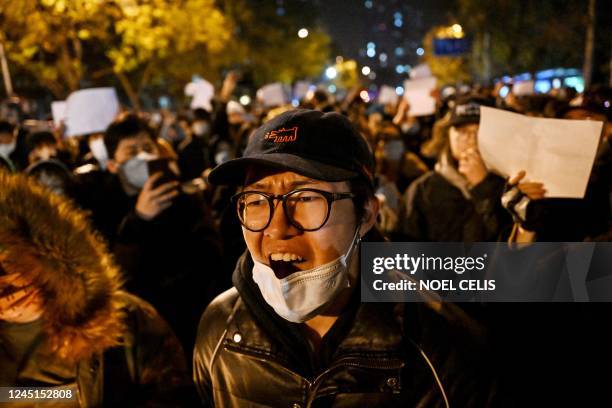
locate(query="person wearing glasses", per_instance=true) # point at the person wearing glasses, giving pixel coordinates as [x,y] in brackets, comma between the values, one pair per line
[292,332]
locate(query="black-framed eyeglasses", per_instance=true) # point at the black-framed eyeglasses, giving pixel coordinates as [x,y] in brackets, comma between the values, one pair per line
[307,209]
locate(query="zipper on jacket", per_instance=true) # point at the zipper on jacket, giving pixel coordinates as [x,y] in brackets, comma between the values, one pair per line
[313,386]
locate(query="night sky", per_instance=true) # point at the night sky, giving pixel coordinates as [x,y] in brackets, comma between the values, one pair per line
[396,28]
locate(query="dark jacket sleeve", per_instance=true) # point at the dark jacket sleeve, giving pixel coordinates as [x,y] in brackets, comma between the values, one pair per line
[130,244]
[487,203]
[157,372]
[220,122]
[211,332]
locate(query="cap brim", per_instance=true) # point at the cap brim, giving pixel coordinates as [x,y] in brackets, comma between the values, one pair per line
[234,171]
[464,121]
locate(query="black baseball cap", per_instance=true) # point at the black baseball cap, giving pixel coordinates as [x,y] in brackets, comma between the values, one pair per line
[467,110]
[324,146]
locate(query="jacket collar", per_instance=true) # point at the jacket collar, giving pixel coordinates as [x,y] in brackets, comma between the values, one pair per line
[254,328]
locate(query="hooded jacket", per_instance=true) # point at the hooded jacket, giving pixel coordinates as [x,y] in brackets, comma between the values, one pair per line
[112,346]
[375,355]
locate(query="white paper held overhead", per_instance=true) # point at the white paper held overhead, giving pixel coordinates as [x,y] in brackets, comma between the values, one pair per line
[58,111]
[417,93]
[556,152]
[524,88]
[90,110]
[202,93]
[420,71]
[300,89]
[387,95]
[272,95]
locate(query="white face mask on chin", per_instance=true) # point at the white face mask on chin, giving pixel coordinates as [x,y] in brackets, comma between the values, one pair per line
[302,295]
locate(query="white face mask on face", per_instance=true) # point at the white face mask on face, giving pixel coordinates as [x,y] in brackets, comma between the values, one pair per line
[302,295]
[200,128]
[7,148]
[135,171]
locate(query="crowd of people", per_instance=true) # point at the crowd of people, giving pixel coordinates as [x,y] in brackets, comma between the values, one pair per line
[138,199]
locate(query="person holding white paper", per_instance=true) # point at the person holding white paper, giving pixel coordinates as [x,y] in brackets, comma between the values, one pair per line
[539,218]
[460,199]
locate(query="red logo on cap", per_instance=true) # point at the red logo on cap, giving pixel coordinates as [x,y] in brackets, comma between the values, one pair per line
[282,135]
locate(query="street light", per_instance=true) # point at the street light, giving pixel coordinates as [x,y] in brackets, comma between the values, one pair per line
[245,99]
[331,73]
[303,33]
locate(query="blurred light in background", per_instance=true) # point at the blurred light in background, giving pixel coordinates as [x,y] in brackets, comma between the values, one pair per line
[420,51]
[364,95]
[368,4]
[371,52]
[332,88]
[399,69]
[576,82]
[365,70]
[303,33]
[164,102]
[331,72]
[542,86]
[245,99]
[504,91]
[399,90]
[526,76]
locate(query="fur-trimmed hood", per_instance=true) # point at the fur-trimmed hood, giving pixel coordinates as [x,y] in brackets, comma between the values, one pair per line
[48,240]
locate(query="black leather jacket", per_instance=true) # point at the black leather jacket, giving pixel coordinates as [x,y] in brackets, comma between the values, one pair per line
[387,354]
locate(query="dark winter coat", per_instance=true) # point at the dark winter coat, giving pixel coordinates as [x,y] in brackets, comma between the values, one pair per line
[436,210]
[110,345]
[375,355]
